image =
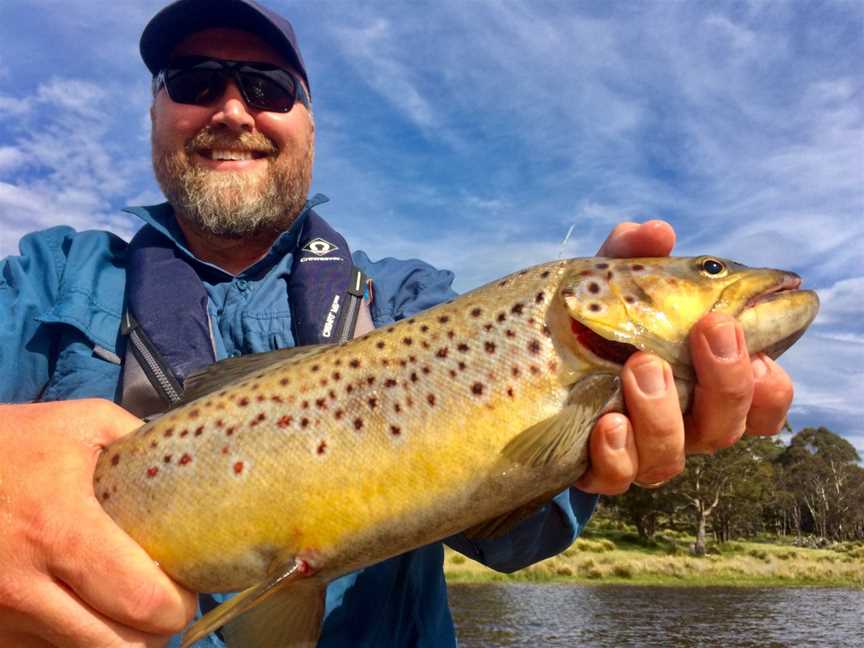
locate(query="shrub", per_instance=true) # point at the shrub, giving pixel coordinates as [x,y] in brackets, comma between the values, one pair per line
[623,571]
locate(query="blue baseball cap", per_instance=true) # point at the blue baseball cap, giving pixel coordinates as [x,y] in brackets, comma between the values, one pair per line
[176,21]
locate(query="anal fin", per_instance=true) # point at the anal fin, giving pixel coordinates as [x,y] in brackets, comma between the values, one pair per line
[285,610]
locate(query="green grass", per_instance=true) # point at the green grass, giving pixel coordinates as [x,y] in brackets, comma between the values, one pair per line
[617,556]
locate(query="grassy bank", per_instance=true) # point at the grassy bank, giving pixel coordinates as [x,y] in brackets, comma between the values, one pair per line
[610,556]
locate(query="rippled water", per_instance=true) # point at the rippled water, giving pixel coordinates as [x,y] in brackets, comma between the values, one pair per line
[492,615]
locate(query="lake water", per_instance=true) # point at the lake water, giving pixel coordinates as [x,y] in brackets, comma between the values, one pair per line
[541,616]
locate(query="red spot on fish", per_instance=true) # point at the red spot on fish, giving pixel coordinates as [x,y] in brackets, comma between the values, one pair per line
[151,472]
[168,433]
[243,402]
[586,273]
[238,467]
[185,459]
[260,398]
[194,414]
[225,450]
[258,419]
[509,333]
[220,423]
[276,399]
[184,433]
[284,382]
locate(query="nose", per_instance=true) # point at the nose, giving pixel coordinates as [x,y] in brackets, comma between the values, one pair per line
[231,110]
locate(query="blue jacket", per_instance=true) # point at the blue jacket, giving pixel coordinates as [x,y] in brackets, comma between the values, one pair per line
[62,300]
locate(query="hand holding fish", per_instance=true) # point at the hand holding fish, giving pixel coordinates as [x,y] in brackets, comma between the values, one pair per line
[68,575]
[734,394]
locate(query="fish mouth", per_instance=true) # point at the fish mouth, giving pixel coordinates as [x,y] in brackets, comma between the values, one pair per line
[775,318]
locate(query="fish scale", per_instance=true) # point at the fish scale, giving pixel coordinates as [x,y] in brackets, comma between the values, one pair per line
[350,454]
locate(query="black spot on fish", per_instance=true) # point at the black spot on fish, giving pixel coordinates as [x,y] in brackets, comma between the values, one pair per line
[601,266]
[462,347]
[534,347]
[594,308]
[539,297]
[358,423]
[477,389]
[395,430]
[407,341]
[544,274]
[594,287]
[355,363]
[637,267]
[373,402]
[424,328]
[389,383]
[443,319]
[380,344]
[476,312]
[442,352]
[430,398]
[517,308]
[490,347]
[314,368]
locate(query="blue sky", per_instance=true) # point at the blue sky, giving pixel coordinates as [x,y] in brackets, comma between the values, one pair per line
[474,133]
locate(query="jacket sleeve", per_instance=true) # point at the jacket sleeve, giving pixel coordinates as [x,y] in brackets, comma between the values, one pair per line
[29,284]
[404,288]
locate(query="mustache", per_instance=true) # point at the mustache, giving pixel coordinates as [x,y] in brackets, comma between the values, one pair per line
[216,138]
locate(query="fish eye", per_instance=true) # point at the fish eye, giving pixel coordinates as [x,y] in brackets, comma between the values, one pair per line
[713,267]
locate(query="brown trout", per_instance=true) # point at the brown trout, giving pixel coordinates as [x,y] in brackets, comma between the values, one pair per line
[286,470]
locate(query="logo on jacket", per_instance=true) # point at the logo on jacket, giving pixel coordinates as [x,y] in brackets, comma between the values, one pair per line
[319,247]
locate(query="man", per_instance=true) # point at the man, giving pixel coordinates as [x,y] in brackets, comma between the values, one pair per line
[232,149]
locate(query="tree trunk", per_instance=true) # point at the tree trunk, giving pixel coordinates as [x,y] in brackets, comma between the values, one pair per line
[699,547]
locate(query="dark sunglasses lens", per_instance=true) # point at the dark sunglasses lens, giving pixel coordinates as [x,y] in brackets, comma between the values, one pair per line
[267,91]
[195,86]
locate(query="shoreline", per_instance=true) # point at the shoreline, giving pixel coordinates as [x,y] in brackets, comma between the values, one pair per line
[604,561]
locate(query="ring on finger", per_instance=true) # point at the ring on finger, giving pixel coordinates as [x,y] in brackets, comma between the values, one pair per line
[651,486]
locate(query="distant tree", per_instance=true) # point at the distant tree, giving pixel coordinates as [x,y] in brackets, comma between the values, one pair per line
[644,508]
[732,485]
[819,468]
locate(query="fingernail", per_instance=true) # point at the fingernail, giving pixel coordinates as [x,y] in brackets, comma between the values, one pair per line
[722,340]
[616,437]
[649,377]
[760,367]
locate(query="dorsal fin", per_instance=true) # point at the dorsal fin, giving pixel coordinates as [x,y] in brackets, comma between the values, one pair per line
[215,376]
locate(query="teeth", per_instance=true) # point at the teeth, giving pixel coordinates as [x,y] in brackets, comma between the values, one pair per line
[231,155]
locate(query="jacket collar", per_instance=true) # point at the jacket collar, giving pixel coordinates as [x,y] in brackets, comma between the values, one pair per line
[161,218]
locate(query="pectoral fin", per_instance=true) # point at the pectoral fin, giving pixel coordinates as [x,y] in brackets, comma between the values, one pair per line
[560,438]
[283,611]
[566,434]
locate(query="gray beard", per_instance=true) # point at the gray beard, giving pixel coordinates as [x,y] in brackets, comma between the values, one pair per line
[234,205]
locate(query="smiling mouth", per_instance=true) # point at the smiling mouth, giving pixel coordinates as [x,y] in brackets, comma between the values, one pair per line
[223,155]
[608,350]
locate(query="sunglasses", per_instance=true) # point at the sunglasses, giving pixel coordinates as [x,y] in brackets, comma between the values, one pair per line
[200,81]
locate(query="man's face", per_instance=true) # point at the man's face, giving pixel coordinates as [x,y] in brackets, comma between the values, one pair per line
[228,168]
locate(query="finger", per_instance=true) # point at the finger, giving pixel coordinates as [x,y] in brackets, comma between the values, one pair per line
[654,238]
[614,459]
[64,621]
[652,405]
[724,386]
[772,397]
[111,573]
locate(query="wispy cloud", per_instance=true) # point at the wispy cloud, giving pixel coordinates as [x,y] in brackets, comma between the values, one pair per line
[474,134]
